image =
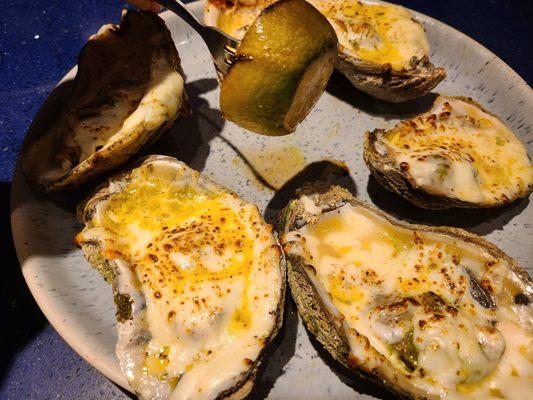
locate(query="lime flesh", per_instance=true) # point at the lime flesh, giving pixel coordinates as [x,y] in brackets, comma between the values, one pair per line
[281,68]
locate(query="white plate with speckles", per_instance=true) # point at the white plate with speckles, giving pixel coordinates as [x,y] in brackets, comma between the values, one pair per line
[78,302]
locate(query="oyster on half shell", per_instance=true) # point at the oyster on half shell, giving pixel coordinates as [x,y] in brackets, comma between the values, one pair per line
[383,50]
[433,313]
[198,278]
[129,88]
[455,155]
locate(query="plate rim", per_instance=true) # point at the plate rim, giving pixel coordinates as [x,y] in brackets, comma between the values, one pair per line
[72,336]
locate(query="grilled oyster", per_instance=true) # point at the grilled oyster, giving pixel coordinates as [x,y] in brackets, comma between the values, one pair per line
[455,155]
[128,89]
[430,312]
[198,278]
[383,49]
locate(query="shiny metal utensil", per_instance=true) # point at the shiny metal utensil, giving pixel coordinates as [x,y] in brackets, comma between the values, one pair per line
[221,46]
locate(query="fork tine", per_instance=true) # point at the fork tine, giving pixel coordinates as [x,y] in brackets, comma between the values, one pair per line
[230,49]
[221,46]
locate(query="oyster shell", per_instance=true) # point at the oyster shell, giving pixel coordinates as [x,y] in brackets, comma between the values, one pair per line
[429,312]
[383,50]
[198,278]
[455,155]
[128,89]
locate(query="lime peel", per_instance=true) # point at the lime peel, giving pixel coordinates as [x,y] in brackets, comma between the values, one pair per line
[281,69]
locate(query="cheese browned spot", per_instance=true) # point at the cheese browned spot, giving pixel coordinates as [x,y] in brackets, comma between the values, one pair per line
[411,295]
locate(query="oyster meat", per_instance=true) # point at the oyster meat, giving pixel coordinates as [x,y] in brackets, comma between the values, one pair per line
[455,155]
[430,312]
[383,50]
[198,278]
[128,89]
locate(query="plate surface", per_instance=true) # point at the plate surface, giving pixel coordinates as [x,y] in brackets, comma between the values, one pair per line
[267,170]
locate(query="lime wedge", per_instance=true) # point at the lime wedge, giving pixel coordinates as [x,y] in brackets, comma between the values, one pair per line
[281,68]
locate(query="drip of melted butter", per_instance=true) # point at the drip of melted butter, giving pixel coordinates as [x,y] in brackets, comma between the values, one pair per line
[343,290]
[155,363]
[380,19]
[326,226]
[241,318]
[276,165]
[467,388]
[400,241]
[152,202]
[203,222]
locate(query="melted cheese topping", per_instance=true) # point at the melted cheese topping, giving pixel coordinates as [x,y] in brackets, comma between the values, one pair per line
[234,17]
[457,150]
[411,295]
[126,112]
[381,34]
[203,271]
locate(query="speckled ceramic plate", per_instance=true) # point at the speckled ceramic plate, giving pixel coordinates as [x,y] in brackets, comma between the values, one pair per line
[266,170]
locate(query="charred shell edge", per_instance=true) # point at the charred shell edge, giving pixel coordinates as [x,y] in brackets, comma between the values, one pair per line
[382,82]
[314,313]
[395,180]
[123,149]
[85,212]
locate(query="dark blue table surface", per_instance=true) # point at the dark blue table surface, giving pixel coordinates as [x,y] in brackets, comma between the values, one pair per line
[39,43]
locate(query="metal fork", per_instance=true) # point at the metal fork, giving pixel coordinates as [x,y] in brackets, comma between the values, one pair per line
[221,46]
